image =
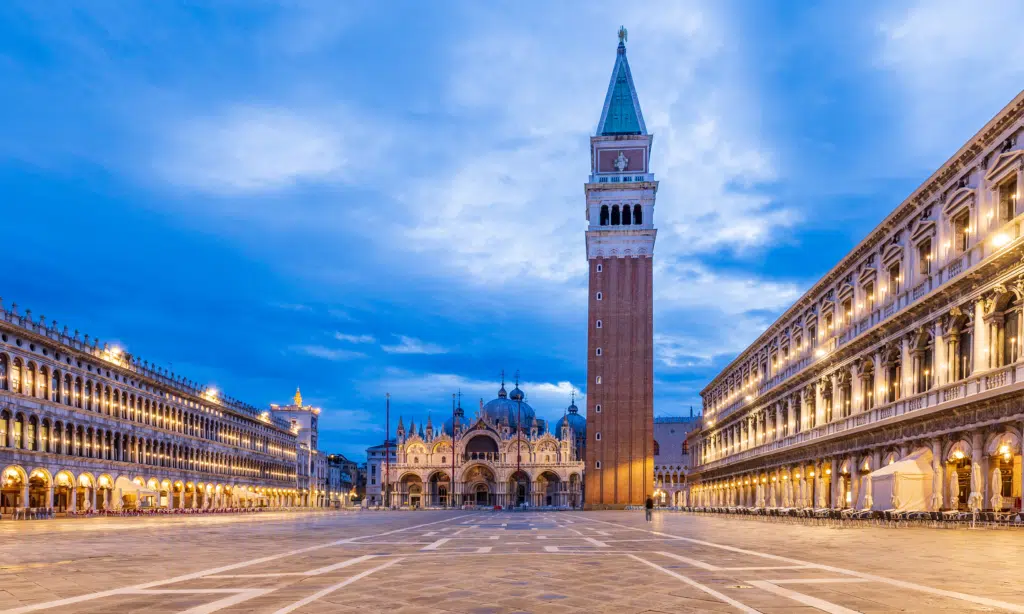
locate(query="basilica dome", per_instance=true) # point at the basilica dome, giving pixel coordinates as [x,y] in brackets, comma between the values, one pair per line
[577,423]
[506,409]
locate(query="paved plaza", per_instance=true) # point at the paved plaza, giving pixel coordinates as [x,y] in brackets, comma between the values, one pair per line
[481,562]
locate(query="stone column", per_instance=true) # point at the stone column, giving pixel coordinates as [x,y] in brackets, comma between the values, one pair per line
[834,483]
[789,415]
[854,482]
[980,337]
[937,471]
[49,497]
[24,495]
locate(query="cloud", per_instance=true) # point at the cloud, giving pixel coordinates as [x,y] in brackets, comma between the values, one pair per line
[690,284]
[948,70]
[247,149]
[509,204]
[411,345]
[548,399]
[319,351]
[355,338]
[350,421]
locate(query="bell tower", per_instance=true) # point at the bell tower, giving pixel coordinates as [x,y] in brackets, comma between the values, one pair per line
[620,239]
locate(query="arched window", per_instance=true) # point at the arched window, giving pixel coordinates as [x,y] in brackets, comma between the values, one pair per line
[615,215]
[657,448]
[625,215]
[604,215]
[55,387]
[16,375]
[638,215]
[3,372]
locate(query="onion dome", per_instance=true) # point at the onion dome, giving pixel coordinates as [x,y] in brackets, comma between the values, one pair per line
[576,422]
[516,394]
[460,420]
[506,410]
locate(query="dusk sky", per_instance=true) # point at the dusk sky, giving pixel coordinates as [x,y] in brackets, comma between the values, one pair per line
[358,198]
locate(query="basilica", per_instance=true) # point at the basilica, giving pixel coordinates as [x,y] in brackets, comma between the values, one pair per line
[504,456]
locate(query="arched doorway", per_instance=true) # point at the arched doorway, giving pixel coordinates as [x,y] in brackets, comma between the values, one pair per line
[479,482]
[549,489]
[411,490]
[438,488]
[519,489]
[62,491]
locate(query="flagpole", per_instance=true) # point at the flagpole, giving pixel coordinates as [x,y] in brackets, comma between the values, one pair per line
[387,450]
[519,438]
[452,489]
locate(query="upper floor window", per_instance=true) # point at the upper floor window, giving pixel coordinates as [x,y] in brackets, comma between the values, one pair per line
[961,232]
[894,279]
[847,308]
[869,295]
[604,215]
[616,217]
[1008,199]
[638,216]
[924,257]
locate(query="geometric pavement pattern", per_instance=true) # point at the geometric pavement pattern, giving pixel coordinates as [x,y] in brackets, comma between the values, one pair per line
[483,562]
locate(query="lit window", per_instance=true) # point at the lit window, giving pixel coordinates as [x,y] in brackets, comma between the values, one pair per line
[598,381]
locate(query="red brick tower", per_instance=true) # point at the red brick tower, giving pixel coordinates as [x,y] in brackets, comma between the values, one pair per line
[620,338]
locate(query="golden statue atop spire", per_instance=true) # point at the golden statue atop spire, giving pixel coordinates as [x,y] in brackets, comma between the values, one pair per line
[298,397]
[623,34]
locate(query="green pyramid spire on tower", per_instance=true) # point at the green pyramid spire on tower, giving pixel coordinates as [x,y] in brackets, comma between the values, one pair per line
[621,113]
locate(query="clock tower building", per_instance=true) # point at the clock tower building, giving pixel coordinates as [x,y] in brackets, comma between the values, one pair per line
[620,239]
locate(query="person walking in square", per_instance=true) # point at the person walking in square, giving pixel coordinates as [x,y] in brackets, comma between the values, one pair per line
[648,508]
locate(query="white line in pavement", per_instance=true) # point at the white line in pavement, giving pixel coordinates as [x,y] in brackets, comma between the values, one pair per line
[216,570]
[817,580]
[341,565]
[814,602]
[1006,605]
[707,589]
[689,561]
[330,589]
[483,550]
[550,548]
[436,545]
[599,544]
[767,568]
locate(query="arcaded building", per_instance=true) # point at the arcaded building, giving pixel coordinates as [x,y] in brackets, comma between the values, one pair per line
[504,455]
[620,238]
[85,426]
[672,460]
[896,381]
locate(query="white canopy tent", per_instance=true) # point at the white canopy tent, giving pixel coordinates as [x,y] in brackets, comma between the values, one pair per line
[905,485]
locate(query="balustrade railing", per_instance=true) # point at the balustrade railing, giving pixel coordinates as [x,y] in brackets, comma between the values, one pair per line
[969,386]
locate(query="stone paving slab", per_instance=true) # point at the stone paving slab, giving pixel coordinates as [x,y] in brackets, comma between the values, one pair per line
[472,562]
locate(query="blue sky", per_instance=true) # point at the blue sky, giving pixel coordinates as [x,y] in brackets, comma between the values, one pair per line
[357,198]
